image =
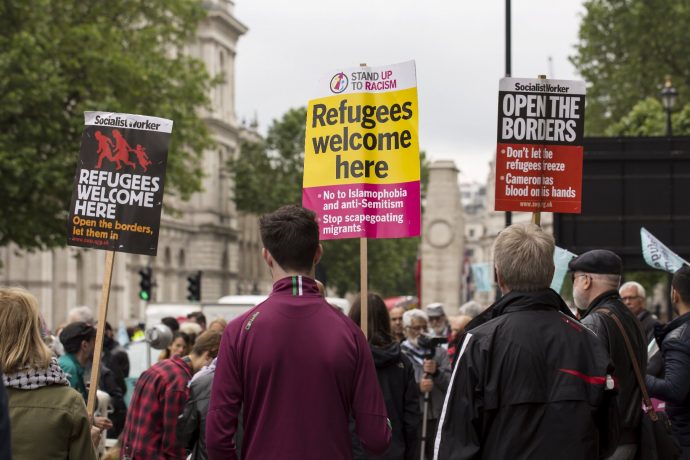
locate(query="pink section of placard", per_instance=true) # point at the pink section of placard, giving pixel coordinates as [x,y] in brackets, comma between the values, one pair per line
[365,210]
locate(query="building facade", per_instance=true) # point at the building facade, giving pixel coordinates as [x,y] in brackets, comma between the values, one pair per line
[203,234]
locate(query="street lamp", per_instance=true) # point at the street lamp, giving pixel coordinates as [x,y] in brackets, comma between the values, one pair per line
[668,99]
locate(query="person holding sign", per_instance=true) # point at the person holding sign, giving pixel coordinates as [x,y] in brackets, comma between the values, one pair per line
[530,382]
[48,419]
[296,366]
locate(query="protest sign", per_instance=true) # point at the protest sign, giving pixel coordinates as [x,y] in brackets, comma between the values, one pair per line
[561,259]
[657,255]
[117,198]
[361,155]
[118,186]
[539,151]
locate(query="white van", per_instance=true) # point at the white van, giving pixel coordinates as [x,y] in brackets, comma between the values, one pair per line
[179,311]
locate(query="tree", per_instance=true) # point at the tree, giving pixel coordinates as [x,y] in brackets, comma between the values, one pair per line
[59,59]
[268,174]
[625,49]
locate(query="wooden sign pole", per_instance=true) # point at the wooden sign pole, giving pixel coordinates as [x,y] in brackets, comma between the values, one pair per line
[536,216]
[100,331]
[364,316]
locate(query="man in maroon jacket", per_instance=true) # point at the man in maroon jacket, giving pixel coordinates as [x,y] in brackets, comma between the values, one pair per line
[298,368]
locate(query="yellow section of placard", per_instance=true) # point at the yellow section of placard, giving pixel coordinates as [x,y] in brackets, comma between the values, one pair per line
[362,138]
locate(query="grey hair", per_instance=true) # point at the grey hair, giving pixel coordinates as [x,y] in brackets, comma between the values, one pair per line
[82,313]
[409,315]
[638,288]
[523,256]
[471,309]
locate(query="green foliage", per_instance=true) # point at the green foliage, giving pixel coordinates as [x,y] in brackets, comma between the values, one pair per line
[625,49]
[61,58]
[648,118]
[268,174]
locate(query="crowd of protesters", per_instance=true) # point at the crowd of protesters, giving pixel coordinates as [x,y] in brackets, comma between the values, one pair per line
[294,378]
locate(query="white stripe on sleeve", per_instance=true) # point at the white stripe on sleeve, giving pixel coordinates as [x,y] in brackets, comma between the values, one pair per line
[437,442]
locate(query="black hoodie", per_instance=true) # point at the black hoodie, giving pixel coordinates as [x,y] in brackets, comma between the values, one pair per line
[396,378]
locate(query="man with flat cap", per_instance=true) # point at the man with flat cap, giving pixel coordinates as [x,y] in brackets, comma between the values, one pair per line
[596,277]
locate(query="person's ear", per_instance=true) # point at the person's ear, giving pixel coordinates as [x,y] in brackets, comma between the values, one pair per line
[318,254]
[268,258]
[587,282]
[675,297]
[499,280]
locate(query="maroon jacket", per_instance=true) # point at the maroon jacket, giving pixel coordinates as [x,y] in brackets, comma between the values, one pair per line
[298,369]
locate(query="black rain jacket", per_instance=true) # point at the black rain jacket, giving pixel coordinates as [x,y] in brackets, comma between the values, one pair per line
[400,392]
[674,386]
[629,395]
[530,383]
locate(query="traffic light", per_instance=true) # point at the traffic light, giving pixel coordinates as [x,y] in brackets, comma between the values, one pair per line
[145,284]
[194,287]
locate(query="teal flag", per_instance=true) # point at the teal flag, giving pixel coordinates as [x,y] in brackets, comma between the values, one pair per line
[657,255]
[483,277]
[561,258]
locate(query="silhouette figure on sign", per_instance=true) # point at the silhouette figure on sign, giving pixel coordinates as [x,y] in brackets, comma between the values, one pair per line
[122,150]
[142,157]
[105,144]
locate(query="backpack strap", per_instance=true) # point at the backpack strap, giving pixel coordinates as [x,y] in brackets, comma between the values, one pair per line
[649,408]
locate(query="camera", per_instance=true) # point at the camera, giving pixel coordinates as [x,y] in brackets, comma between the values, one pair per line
[430,344]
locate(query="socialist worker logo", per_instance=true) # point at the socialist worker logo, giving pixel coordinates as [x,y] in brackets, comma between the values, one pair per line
[339,83]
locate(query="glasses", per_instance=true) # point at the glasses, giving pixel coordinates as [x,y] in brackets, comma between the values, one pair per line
[630,298]
[433,319]
[417,328]
[574,277]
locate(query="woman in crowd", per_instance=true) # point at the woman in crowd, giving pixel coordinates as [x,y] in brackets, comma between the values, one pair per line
[396,378]
[180,346]
[48,419]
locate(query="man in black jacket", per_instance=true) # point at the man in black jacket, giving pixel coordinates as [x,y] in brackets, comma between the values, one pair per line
[596,277]
[674,340]
[530,381]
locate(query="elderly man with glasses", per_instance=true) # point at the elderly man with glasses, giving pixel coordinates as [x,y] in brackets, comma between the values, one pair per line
[431,371]
[596,277]
[634,297]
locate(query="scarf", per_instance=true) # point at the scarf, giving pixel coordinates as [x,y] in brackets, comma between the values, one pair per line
[31,379]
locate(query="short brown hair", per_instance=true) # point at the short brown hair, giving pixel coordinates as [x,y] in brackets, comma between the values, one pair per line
[291,235]
[209,342]
[21,344]
[523,256]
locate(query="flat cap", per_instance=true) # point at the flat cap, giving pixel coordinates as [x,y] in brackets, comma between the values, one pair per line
[435,309]
[600,261]
[77,331]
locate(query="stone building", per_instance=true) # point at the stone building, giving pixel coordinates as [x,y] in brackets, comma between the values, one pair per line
[206,234]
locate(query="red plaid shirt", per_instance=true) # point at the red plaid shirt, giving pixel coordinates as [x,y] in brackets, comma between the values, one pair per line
[159,398]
